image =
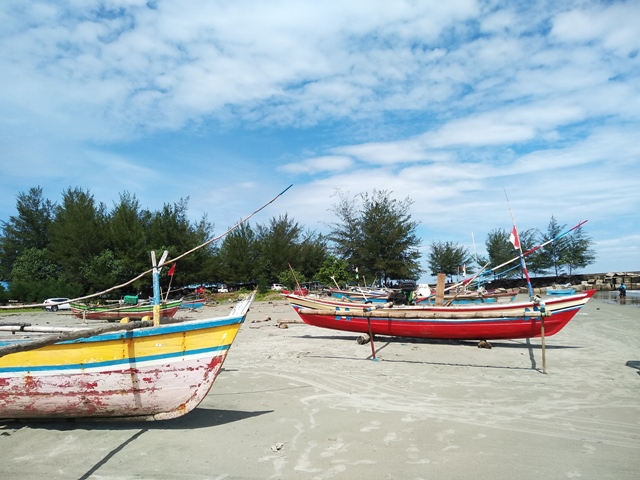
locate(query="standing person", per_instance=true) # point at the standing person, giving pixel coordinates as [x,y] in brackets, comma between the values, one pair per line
[623,292]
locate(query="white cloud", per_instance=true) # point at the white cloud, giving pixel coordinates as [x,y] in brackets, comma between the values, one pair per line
[319,165]
[446,102]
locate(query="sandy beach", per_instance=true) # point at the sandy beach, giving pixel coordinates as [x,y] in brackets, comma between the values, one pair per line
[303,402]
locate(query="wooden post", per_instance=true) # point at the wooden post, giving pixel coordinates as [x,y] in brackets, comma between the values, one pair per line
[440,288]
[157,296]
[544,358]
[373,348]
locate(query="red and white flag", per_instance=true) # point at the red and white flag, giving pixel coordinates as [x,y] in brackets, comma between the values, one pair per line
[514,238]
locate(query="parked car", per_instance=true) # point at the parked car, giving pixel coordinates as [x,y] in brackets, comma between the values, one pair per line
[56,304]
[223,289]
[277,286]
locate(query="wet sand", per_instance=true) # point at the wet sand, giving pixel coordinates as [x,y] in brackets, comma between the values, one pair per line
[304,402]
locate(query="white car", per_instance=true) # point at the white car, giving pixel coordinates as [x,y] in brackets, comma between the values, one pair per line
[277,286]
[223,289]
[56,304]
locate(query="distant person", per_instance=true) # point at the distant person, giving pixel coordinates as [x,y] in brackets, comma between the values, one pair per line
[623,291]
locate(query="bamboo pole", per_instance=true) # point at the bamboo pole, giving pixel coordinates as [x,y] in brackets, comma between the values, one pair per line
[441,280]
[66,336]
[373,348]
[544,356]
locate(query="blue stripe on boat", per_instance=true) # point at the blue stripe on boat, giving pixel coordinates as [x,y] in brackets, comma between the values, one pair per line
[122,361]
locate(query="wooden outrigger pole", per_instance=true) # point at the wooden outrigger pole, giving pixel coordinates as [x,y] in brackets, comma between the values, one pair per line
[518,245]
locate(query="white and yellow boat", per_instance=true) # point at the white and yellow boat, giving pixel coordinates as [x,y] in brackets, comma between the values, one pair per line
[150,373]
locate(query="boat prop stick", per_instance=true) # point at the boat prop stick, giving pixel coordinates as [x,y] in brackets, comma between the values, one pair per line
[373,348]
[157,296]
[518,246]
[67,336]
[295,278]
[211,240]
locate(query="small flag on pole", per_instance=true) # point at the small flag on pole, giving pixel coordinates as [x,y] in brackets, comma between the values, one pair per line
[514,238]
[172,270]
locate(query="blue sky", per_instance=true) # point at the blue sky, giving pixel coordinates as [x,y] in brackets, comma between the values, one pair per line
[229,102]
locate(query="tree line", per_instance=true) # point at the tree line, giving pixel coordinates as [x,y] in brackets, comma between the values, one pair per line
[80,247]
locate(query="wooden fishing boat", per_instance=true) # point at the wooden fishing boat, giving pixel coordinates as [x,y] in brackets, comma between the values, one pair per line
[146,373]
[560,291]
[499,296]
[117,312]
[192,303]
[464,322]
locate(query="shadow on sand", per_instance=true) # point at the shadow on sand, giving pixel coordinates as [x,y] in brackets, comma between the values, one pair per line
[381,342]
[198,418]
[634,364]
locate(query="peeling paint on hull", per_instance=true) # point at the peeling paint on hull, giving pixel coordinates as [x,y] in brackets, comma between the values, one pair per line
[154,373]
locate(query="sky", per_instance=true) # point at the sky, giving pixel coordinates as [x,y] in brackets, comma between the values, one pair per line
[473,110]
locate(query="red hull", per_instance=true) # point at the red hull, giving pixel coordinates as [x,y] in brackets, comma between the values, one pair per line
[482,328]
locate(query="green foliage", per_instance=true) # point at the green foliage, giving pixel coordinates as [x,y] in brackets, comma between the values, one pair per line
[35,291]
[501,250]
[579,253]
[33,264]
[277,245]
[77,233]
[29,229]
[567,253]
[238,256]
[281,243]
[78,247]
[127,237]
[103,271]
[447,258]
[290,279]
[551,256]
[376,234]
[336,269]
[312,252]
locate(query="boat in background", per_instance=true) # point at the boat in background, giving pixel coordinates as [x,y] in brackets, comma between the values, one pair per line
[148,373]
[119,311]
[560,291]
[474,296]
[192,303]
[488,321]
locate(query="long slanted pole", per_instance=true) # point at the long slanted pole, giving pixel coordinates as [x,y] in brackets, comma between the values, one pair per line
[531,297]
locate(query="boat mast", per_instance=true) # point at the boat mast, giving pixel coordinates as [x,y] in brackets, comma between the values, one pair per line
[515,239]
[157,296]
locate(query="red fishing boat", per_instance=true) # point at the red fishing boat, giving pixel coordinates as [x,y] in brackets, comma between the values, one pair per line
[464,322]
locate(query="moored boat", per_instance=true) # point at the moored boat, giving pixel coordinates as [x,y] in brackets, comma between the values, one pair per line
[560,291]
[192,303]
[147,373]
[117,312]
[464,322]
